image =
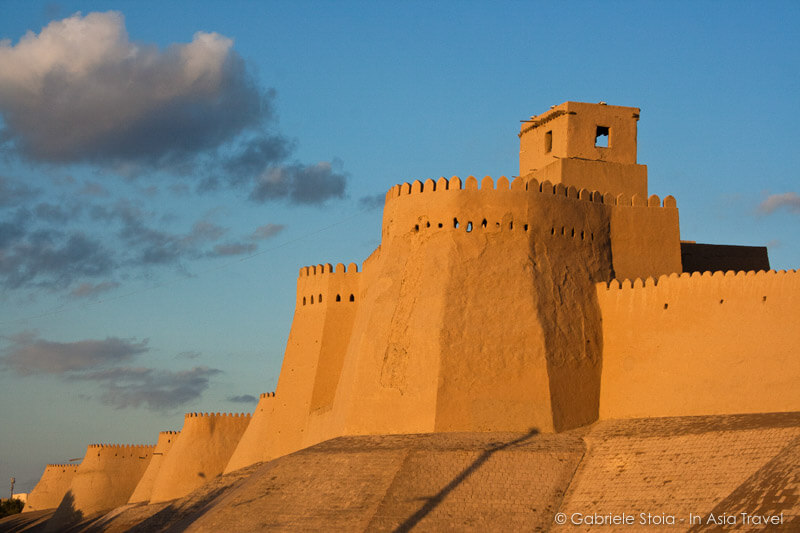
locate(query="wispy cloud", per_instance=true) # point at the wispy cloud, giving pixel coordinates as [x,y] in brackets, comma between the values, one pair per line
[88,290]
[156,389]
[790,201]
[267,231]
[242,398]
[107,363]
[28,354]
[371,202]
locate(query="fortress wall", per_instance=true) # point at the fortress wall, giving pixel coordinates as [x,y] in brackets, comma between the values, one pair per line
[645,233]
[645,241]
[200,453]
[482,366]
[252,447]
[104,480]
[701,344]
[144,488]
[52,486]
[314,353]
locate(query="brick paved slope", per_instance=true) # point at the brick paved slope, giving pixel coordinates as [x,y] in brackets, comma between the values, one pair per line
[502,481]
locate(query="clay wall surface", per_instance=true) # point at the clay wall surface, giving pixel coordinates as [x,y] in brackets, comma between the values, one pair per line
[314,353]
[573,126]
[144,488]
[712,257]
[104,480]
[252,447]
[421,360]
[700,344]
[200,453]
[602,176]
[50,489]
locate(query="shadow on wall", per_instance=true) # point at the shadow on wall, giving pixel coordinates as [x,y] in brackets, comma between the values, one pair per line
[438,498]
[65,516]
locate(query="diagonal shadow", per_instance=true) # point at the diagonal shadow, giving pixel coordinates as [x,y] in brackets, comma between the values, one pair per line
[439,497]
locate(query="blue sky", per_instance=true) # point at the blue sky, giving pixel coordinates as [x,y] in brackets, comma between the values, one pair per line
[160,187]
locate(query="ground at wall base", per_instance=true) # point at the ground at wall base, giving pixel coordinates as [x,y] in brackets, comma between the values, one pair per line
[501,481]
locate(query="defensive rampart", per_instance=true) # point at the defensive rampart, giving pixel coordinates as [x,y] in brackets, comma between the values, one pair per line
[200,453]
[720,343]
[105,479]
[52,486]
[327,301]
[144,488]
[252,447]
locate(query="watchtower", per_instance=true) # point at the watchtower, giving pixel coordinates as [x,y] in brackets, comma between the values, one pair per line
[590,146]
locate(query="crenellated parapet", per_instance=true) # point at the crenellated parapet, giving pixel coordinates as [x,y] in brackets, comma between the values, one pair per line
[63,465]
[216,415]
[324,284]
[264,395]
[699,282]
[438,204]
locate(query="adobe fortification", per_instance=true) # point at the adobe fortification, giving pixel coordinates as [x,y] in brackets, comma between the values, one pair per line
[52,486]
[251,448]
[552,300]
[199,454]
[104,480]
[144,488]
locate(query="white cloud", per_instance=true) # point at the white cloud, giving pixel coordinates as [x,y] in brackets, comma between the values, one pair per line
[787,200]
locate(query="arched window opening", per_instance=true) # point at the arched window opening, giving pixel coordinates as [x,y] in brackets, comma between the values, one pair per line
[416,227]
[573,232]
[552,231]
[440,225]
[525,227]
[352,298]
[320,298]
[455,223]
[511,225]
[338,297]
[312,299]
[304,300]
[427,224]
[583,235]
[469,227]
[483,224]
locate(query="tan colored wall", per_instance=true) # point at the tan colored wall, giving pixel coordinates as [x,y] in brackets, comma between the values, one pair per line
[52,486]
[701,344]
[314,353]
[104,480]
[200,453]
[252,447]
[144,488]
[574,125]
[421,359]
[601,176]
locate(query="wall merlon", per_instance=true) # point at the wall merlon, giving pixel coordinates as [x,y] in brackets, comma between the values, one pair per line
[699,280]
[267,395]
[63,465]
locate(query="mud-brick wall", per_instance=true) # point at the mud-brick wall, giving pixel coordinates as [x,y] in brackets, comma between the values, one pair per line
[720,343]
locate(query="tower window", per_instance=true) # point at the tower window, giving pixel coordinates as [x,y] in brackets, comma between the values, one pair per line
[548,142]
[601,137]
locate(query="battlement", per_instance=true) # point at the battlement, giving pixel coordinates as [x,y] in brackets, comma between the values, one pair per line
[169,432]
[216,415]
[327,268]
[528,184]
[266,395]
[63,465]
[123,446]
[697,280]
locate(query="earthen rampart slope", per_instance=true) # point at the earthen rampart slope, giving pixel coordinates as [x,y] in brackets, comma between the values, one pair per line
[144,488]
[711,343]
[52,486]
[200,453]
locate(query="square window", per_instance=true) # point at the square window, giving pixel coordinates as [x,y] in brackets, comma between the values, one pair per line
[548,142]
